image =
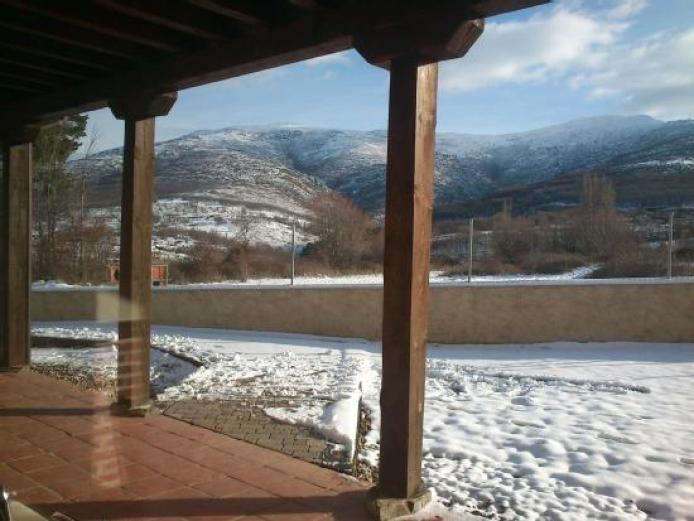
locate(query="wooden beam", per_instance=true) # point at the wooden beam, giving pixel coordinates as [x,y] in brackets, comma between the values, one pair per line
[19,87]
[309,5]
[229,10]
[31,77]
[430,39]
[87,17]
[28,62]
[176,16]
[409,200]
[15,250]
[135,277]
[143,106]
[69,35]
[58,53]
[311,35]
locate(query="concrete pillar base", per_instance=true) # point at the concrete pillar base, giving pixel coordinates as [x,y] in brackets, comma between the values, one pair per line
[385,508]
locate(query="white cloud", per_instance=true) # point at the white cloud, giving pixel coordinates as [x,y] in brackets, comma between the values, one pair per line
[549,44]
[626,9]
[654,77]
[584,46]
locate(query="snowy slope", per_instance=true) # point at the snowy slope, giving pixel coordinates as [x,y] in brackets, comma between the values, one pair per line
[280,167]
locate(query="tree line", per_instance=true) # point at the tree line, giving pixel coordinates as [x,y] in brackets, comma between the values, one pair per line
[69,244]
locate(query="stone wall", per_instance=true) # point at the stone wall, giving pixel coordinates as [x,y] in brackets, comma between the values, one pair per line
[653,310]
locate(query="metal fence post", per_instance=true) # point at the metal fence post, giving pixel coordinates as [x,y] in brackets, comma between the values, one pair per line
[471,231]
[670,244]
[293,250]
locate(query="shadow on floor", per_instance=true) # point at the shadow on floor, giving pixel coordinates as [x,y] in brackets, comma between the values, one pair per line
[347,506]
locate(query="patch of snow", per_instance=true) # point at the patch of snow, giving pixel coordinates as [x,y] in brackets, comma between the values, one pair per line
[599,431]
[338,420]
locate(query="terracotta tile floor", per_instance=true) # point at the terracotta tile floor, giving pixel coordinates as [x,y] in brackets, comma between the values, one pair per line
[62,450]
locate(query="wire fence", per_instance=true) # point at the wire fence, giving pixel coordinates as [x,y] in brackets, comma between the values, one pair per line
[589,242]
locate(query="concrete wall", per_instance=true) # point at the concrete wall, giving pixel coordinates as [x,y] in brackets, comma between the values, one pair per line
[658,311]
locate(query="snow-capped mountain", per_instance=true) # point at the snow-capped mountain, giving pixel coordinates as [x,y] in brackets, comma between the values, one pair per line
[281,168]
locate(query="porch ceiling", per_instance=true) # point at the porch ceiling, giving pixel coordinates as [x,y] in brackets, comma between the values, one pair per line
[61,57]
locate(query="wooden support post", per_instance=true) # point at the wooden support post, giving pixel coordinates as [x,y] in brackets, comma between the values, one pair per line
[15,249]
[135,278]
[135,263]
[409,200]
[412,56]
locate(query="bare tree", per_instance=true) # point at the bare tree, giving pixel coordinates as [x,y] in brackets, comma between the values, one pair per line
[245,223]
[53,184]
[81,172]
[346,235]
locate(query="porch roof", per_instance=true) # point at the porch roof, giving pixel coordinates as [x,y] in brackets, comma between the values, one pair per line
[58,58]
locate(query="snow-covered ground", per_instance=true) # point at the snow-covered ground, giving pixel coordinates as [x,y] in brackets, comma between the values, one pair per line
[550,431]
[435,277]
[211,212]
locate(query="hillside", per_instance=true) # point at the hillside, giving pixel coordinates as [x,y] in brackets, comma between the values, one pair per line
[653,169]
[278,169]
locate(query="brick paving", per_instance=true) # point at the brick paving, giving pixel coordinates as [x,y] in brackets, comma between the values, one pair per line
[245,420]
[62,450]
[242,419]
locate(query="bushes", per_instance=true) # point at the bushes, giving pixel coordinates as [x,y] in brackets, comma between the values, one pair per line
[642,262]
[551,262]
[219,259]
[347,238]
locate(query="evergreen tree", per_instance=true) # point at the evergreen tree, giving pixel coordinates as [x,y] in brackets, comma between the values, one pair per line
[53,185]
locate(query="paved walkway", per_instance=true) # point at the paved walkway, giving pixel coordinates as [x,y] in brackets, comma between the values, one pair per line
[245,420]
[61,450]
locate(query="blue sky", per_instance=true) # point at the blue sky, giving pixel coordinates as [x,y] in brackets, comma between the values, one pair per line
[537,67]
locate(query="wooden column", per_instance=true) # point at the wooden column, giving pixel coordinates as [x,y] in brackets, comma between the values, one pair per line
[135,272]
[409,199]
[15,251]
[411,52]
[135,263]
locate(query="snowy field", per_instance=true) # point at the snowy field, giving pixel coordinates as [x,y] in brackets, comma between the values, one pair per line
[435,277]
[559,431]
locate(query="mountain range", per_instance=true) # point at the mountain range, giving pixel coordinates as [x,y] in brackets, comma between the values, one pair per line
[281,168]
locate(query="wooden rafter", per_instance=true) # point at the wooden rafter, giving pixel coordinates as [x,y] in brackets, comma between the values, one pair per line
[26,62]
[9,85]
[176,16]
[310,5]
[33,77]
[87,16]
[271,33]
[232,11]
[68,35]
[56,53]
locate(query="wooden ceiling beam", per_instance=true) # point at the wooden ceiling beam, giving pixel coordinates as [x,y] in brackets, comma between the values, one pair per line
[69,35]
[29,63]
[85,16]
[33,76]
[429,40]
[58,53]
[233,11]
[310,36]
[308,5]
[9,84]
[175,16]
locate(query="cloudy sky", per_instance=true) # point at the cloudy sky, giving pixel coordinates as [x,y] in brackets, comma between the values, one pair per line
[537,67]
